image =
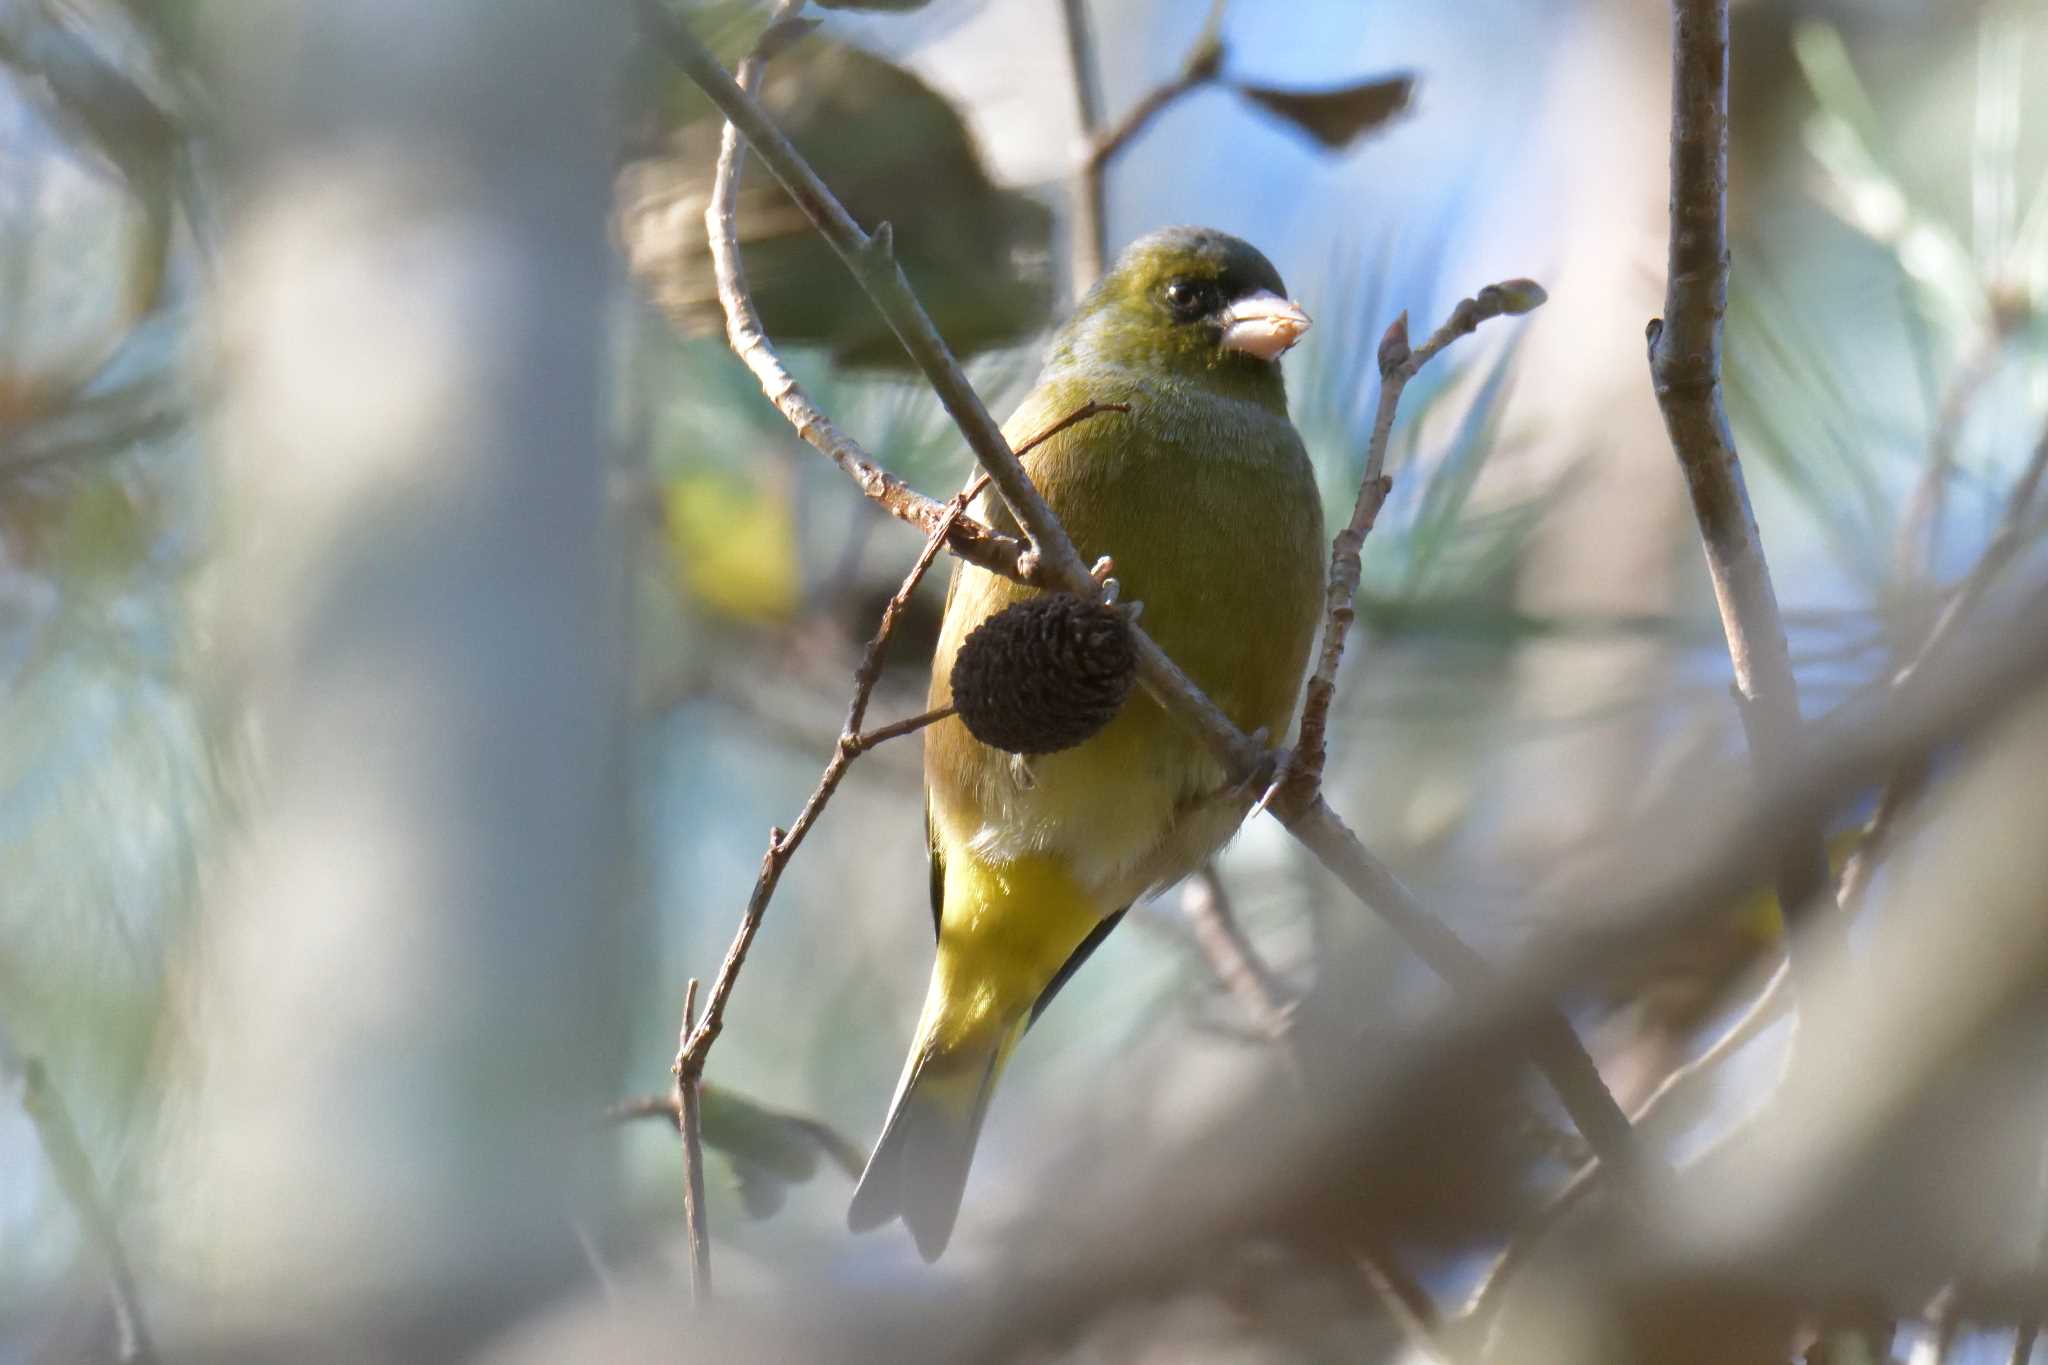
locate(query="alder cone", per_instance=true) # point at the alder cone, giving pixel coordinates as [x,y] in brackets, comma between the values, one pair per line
[1044,674]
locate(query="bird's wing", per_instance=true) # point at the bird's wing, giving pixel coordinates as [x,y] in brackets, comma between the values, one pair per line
[938,861]
[1073,963]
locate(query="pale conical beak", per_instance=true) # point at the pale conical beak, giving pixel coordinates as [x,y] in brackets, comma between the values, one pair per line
[1263,324]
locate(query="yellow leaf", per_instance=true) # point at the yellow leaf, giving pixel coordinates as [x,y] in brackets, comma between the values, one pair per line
[734,546]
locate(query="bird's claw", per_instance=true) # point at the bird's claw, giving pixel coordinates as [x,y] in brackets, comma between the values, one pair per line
[1103,572]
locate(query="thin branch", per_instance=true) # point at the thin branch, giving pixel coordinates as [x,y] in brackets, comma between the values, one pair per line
[783,845]
[2004,544]
[72,1167]
[1551,1043]
[1201,65]
[1398,365]
[1236,963]
[1054,562]
[607,1283]
[1407,1302]
[688,1100]
[1904,786]
[968,538]
[646,1107]
[1231,956]
[1090,230]
[1915,552]
[1685,367]
[871,257]
[881,734]
[1919,537]
[1765,1010]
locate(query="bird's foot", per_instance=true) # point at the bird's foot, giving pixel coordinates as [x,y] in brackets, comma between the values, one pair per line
[1103,573]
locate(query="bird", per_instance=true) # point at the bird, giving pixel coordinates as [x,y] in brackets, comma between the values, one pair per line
[1201,493]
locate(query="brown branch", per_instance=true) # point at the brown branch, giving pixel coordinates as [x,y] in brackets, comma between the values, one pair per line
[1551,1043]
[686,1095]
[783,845]
[72,1167]
[968,538]
[1685,367]
[881,734]
[852,744]
[1201,65]
[871,258]
[1053,562]
[1398,365]
[1231,956]
[1236,963]
[646,1107]
[1090,230]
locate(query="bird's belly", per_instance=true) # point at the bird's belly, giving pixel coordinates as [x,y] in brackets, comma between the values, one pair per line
[1106,808]
[1230,584]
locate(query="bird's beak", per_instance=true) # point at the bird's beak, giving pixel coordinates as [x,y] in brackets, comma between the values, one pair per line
[1262,324]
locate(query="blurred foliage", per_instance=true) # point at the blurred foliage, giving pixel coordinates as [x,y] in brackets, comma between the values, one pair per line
[1337,117]
[893,150]
[735,545]
[771,1149]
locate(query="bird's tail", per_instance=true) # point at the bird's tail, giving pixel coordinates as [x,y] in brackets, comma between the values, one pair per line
[919,1167]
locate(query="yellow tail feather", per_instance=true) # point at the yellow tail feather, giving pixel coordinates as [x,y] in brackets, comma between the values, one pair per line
[1004,934]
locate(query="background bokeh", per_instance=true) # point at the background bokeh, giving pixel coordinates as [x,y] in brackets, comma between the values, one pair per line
[412,621]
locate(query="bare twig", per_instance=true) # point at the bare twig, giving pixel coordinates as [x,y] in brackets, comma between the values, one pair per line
[1904,786]
[607,1283]
[871,257]
[1919,536]
[896,729]
[72,1167]
[1552,1045]
[1398,365]
[1089,231]
[2004,544]
[1685,367]
[689,1120]
[1237,965]
[1407,1303]
[968,538]
[1054,562]
[1231,956]
[782,845]
[1201,65]
[1915,554]
[1763,1011]
[646,1107]
[853,742]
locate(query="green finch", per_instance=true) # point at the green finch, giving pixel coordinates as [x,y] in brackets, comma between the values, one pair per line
[1204,498]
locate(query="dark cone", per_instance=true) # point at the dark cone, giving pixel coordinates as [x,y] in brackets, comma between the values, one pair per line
[1044,674]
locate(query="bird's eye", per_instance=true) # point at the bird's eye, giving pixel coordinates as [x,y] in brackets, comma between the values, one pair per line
[1189,299]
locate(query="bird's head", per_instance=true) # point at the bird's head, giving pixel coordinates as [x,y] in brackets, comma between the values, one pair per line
[1195,303]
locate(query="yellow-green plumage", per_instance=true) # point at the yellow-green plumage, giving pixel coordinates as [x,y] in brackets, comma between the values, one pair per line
[1203,496]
